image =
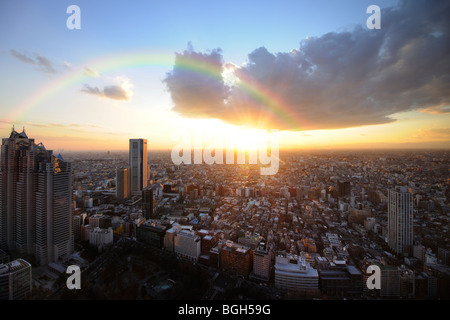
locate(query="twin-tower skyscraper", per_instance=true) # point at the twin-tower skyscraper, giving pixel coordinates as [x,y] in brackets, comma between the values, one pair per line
[35,200]
[36,214]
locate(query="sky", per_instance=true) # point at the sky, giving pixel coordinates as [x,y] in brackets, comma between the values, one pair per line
[215,70]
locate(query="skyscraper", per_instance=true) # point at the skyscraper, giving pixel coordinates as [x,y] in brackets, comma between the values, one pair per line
[138,164]
[123,183]
[35,200]
[54,223]
[16,201]
[400,220]
[147,202]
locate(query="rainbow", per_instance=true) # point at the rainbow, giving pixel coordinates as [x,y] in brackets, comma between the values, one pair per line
[120,61]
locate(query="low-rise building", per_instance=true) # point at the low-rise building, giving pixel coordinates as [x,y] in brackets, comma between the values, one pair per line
[187,245]
[292,273]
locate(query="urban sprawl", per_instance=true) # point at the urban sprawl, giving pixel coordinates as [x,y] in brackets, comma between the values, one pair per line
[141,227]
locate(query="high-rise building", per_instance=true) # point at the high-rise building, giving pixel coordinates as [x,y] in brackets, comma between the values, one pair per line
[152,232]
[343,188]
[53,215]
[35,200]
[138,165]
[390,281]
[262,262]
[15,280]
[236,259]
[207,243]
[16,201]
[123,183]
[147,203]
[4,257]
[400,220]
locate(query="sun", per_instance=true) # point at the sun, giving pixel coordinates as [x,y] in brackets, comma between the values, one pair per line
[248,139]
[215,134]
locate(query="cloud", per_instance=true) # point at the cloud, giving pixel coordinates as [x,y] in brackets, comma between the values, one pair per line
[67,65]
[43,64]
[92,90]
[60,125]
[90,72]
[197,92]
[115,92]
[338,80]
[21,57]
[441,109]
[434,134]
[49,125]
[120,91]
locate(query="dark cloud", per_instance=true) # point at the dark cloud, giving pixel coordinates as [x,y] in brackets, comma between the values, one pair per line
[440,109]
[197,89]
[338,80]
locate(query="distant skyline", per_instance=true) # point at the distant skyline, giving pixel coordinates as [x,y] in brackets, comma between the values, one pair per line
[150,69]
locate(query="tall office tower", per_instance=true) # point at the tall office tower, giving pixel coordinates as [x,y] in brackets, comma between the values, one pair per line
[138,165]
[400,220]
[16,197]
[15,280]
[123,183]
[147,202]
[53,215]
[35,200]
